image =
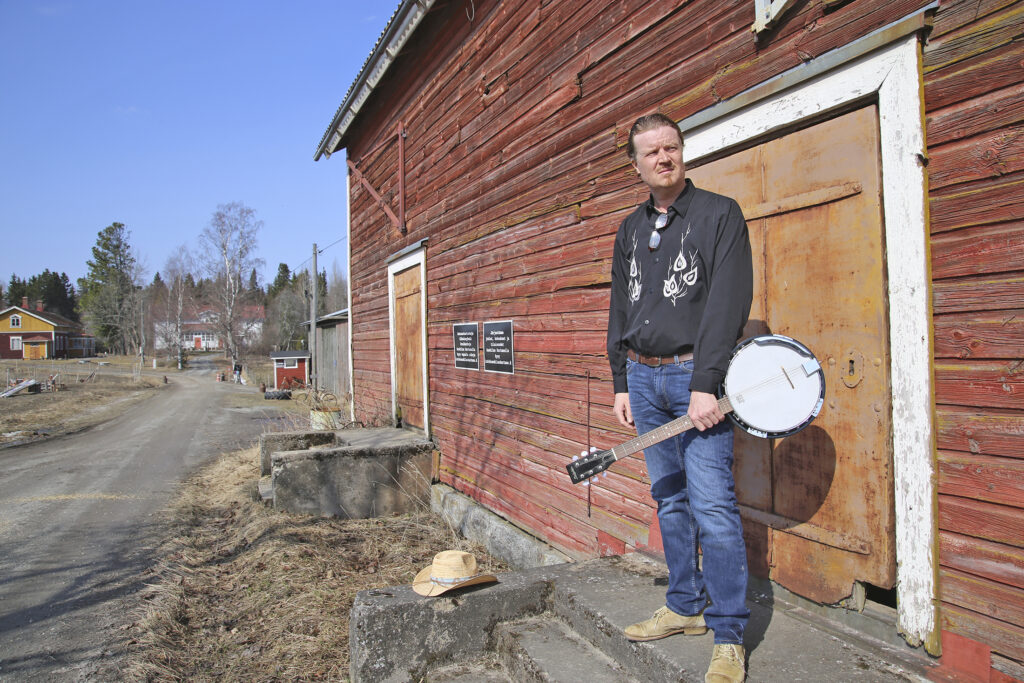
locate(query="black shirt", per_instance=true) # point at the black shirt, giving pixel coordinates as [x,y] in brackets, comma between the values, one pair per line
[692,292]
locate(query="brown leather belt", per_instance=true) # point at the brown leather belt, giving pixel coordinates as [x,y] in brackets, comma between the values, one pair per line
[655,361]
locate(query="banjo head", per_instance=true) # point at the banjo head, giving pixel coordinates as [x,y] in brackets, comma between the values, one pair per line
[775,385]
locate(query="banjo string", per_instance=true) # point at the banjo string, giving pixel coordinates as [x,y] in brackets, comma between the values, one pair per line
[766,383]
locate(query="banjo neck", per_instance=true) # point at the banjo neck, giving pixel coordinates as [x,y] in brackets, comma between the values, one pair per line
[772,401]
[665,431]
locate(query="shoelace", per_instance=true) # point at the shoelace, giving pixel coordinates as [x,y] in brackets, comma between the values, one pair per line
[730,653]
[661,613]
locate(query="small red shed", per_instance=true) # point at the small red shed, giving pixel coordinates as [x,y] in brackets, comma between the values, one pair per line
[290,368]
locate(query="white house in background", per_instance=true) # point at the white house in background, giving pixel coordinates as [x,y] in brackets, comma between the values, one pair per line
[199,329]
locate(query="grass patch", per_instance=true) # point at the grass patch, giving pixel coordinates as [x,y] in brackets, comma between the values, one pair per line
[77,405]
[243,592]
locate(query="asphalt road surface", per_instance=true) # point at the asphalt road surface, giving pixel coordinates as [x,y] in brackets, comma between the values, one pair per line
[79,517]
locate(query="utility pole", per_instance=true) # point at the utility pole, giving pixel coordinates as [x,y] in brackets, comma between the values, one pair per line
[315,286]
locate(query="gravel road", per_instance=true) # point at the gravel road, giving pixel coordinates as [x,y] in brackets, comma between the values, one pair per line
[79,515]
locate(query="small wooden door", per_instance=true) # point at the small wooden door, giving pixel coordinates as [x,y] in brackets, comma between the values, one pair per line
[408,346]
[818,506]
[34,350]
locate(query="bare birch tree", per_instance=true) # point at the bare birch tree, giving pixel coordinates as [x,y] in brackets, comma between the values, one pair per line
[177,299]
[227,248]
[337,289]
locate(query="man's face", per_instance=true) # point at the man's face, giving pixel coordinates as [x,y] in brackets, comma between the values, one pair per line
[659,159]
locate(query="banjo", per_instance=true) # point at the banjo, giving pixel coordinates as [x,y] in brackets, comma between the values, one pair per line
[774,387]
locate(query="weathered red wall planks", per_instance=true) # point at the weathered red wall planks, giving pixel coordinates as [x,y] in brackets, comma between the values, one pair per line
[516,177]
[974,94]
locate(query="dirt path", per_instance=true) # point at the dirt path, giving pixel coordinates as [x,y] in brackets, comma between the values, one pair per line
[78,519]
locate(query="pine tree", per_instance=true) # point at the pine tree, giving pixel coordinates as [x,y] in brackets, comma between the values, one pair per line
[16,289]
[283,279]
[109,292]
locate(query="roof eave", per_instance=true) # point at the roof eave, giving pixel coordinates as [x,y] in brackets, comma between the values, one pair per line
[399,29]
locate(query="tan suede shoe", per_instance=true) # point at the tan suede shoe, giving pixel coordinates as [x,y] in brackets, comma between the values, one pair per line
[664,623]
[728,665]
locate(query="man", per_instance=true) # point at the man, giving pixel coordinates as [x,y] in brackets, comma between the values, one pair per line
[681,290]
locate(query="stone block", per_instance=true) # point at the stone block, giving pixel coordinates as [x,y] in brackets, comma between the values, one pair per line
[398,635]
[354,482]
[290,441]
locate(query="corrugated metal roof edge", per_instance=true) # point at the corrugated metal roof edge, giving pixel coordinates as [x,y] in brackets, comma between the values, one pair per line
[400,27]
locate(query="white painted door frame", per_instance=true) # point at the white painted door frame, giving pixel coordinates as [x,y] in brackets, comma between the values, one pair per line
[891,75]
[410,260]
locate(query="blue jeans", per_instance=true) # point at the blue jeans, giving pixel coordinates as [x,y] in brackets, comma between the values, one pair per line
[692,483]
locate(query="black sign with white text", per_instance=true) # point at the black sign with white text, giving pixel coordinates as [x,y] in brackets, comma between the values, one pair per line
[467,346]
[498,355]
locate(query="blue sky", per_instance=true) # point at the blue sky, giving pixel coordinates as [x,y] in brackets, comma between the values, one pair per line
[153,112]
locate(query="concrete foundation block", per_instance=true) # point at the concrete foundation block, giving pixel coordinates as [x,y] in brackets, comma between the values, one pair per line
[397,635]
[291,441]
[502,539]
[354,482]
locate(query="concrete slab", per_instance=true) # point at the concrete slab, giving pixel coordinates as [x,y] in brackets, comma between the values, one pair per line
[604,596]
[379,437]
[486,669]
[397,635]
[290,441]
[545,649]
[354,482]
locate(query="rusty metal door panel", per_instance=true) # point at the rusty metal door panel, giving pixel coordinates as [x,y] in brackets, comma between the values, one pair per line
[817,230]
[741,177]
[409,346]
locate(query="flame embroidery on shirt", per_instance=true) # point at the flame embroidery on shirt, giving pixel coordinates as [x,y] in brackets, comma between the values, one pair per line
[635,279]
[683,273]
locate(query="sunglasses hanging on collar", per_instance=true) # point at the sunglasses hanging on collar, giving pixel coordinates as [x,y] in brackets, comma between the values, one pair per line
[659,224]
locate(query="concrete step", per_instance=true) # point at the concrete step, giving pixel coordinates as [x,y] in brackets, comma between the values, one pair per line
[565,623]
[484,669]
[783,645]
[543,649]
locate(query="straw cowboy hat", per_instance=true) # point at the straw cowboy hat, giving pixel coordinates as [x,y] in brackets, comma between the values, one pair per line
[450,569]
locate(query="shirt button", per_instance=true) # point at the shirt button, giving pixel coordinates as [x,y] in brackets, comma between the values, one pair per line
[647,322]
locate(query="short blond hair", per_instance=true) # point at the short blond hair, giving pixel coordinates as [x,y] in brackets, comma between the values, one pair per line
[646,123]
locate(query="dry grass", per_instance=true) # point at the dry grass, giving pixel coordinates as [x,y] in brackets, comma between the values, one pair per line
[243,592]
[77,406]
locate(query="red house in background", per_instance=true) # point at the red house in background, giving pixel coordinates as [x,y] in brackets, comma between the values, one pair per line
[37,334]
[290,368]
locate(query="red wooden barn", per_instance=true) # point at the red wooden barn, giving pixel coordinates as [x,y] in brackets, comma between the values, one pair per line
[877,150]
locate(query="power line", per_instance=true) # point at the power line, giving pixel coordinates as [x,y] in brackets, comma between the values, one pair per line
[320,251]
[340,239]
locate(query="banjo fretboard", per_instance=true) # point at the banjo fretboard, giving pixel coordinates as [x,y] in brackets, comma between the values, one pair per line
[665,431]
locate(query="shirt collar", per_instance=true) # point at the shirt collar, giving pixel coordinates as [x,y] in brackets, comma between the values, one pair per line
[680,205]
